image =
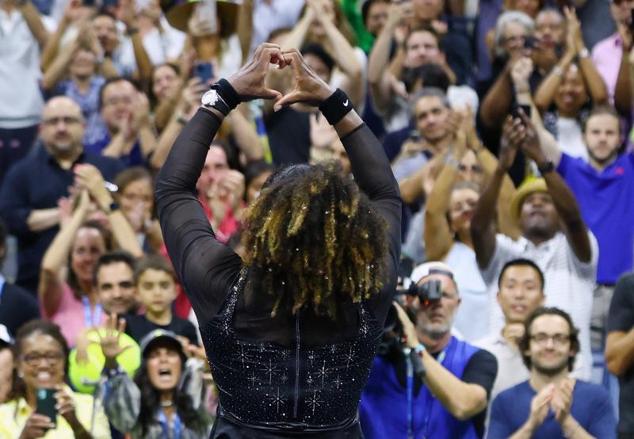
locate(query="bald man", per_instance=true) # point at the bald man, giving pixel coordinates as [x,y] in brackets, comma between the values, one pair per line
[30,194]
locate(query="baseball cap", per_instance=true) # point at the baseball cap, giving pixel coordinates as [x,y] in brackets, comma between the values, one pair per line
[428,268]
[160,337]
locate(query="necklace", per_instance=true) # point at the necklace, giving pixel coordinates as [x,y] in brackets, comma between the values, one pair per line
[166,404]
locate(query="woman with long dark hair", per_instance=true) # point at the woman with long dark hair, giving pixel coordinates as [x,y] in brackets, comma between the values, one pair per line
[164,400]
[290,331]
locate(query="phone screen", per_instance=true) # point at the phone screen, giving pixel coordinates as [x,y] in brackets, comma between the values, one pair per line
[46,403]
[204,71]
[515,111]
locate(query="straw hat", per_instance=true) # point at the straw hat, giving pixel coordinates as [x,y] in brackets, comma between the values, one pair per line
[528,187]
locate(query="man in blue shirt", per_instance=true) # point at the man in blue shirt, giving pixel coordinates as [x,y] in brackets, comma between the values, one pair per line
[551,404]
[30,193]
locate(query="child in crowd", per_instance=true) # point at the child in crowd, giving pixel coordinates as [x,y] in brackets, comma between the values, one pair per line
[156,288]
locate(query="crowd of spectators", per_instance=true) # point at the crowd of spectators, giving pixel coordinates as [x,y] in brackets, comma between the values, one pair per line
[508,124]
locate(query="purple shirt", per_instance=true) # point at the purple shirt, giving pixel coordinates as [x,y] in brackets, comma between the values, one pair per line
[606,56]
[606,200]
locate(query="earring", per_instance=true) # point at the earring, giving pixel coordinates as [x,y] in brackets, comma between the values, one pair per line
[20,374]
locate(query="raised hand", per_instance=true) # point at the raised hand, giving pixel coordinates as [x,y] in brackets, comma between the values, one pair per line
[88,177]
[110,342]
[520,73]
[531,145]
[248,82]
[512,137]
[308,88]
[574,39]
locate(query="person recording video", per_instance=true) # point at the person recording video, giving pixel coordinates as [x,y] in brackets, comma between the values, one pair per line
[425,382]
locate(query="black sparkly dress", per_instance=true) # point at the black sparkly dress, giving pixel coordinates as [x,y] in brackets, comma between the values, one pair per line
[286,376]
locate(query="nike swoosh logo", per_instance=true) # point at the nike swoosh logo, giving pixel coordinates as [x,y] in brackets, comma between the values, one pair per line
[345,104]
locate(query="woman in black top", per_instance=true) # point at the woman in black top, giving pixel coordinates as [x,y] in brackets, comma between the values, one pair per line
[291,331]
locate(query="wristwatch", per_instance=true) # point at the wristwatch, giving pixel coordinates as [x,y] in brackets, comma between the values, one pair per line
[212,99]
[546,167]
[419,348]
[112,207]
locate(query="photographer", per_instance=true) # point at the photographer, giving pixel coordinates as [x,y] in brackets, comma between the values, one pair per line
[440,385]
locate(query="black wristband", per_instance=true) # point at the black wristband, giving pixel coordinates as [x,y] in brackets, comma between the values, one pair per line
[227,93]
[335,107]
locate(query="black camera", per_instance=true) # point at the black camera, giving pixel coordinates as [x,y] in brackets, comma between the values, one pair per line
[427,292]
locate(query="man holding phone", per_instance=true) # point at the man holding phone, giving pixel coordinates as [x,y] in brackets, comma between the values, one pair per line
[553,234]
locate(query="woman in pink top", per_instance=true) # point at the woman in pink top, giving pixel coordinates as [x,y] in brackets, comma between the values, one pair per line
[66,289]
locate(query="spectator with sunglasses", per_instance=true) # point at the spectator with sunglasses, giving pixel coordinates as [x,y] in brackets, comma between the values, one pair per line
[550,403]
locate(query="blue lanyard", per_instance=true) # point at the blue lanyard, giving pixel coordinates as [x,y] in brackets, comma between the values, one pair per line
[91,319]
[429,400]
[410,394]
[177,425]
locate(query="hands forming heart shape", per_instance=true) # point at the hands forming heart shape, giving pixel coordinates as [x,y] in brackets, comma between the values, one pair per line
[308,88]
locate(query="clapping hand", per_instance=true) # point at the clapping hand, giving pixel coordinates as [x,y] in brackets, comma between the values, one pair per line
[540,405]
[562,400]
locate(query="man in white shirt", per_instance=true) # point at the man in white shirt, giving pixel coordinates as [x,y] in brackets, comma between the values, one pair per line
[554,235]
[520,292]
[22,35]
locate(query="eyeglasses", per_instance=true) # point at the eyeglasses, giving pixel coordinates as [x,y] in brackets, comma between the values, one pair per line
[558,339]
[35,358]
[68,120]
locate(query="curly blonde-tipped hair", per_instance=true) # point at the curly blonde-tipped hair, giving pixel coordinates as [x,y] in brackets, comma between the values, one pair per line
[312,238]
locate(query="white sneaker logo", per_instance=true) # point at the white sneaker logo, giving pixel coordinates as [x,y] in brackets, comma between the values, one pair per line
[345,104]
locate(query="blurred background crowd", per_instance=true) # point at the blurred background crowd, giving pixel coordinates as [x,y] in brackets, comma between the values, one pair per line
[93,94]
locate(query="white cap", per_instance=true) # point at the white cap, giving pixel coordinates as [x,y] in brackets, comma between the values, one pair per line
[424,270]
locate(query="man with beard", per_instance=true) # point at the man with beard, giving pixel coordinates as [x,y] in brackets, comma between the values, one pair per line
[34,188]
[553,235]
[447,394]
[114,281]
[551,404]
[431,114]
